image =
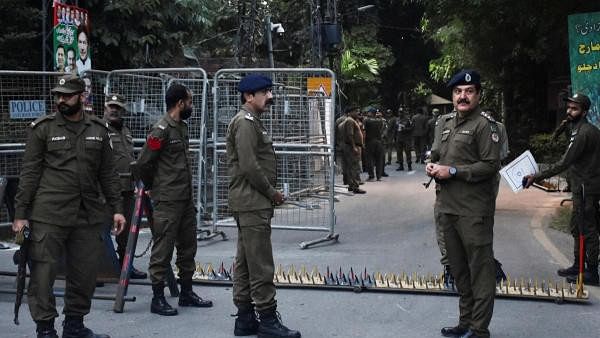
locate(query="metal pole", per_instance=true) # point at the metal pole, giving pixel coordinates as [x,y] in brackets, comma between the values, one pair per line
[269,41]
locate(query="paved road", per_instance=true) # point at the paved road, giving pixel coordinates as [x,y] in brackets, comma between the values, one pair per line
[390,229]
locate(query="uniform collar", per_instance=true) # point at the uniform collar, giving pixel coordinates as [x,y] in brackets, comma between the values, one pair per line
[247,109]
[170,120]
[61,120]
[579,123]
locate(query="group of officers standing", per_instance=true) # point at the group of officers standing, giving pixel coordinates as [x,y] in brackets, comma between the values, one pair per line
[77,173]
[69,180]
[365,141]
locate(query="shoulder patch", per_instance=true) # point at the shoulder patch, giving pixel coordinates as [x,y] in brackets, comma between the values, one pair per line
[249,116]
[154,143]
[160,126]
[41,119]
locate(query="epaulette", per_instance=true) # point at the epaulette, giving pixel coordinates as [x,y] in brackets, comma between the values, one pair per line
[249,116]
[99,121]
[487,116]
[161,126]
[42,119]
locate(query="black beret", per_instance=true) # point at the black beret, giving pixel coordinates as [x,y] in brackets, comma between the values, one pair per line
[465,77]
[583,100]
[253,83]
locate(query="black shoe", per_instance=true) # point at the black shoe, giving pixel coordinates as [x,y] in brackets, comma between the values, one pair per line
[370,179]
[50,333]
[388,163]
[361,183]
[73,328]
[455,331]
[159,304]
[246,323]
[358,191]
[384,175]
[400,169]
[589,278]
[378,179]
[137,274]
[409,167]
[270,326]
[469,334]
[189,298]
[570,271]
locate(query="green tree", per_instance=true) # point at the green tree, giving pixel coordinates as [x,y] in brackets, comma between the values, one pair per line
[20,34]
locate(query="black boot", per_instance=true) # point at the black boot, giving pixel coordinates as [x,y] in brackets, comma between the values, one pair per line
[73,328]
[133,272]
[159,304]
[45,329]
[271,327]
[448,278]
[409,167]
[400,168]
[246,323]
[187,297]
[573,270]
[500,275]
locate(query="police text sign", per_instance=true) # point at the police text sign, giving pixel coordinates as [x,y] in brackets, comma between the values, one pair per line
[26,109]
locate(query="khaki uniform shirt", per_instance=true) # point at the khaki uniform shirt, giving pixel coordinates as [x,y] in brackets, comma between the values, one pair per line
[164,163]
[352,133]
[472,145]
[251,162]
[122,142]
[374,129]
[582,157]
[66,167]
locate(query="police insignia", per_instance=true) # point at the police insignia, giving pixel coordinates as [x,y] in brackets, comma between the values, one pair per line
[154,143]
[495,137]
[62,82]
[468,77]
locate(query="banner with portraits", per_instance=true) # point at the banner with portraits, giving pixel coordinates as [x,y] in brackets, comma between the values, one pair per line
[71,39]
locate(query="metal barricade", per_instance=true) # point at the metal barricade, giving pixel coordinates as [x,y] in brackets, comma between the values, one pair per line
[144,90]
[301,124]
[24,96]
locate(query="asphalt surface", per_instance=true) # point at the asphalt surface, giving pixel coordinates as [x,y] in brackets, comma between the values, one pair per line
[390,229]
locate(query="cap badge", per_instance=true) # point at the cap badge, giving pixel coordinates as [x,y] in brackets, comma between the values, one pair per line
[62,82]
[468,77]
[114,98]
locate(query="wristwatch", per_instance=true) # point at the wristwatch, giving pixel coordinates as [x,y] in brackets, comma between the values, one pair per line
[452,171]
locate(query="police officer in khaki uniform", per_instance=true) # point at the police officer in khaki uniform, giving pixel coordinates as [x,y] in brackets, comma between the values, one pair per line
[352,147]
[166,172]
[122,144]
[374,130]
[582,158]
[252,195]
[419,134]
[465,161]
[403,136]
[67,165]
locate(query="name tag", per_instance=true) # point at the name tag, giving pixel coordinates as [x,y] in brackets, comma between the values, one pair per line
[447,131]
[174,141]
[466,132]
[94,138]
[58,138]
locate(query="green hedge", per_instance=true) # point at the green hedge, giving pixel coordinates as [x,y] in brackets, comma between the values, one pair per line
[545,150]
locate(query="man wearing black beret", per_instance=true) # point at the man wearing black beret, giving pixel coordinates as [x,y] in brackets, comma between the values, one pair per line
[252,195]
[465,159]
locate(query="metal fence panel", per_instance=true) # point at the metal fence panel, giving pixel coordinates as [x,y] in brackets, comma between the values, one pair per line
[301,123]
[144,90]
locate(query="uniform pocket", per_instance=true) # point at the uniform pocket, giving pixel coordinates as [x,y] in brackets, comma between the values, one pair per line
[464,138]
[159,226]
[257,217]
[38,247]
[93,145]
[58,145]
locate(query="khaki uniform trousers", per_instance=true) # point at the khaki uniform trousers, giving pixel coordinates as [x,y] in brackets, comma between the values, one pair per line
[80,245]
[471,257]
[174,226]
[254,267]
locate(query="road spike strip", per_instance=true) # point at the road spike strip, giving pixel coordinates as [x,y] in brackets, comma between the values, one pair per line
[514,287]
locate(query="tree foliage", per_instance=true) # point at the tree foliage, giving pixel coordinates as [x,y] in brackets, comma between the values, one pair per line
[20,34]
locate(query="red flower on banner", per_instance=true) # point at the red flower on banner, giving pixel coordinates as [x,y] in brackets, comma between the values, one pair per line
[154,143]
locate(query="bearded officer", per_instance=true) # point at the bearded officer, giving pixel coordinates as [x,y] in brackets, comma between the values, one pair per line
[252,196]
[166,172]
[122,142]
[582,159]
[465,161]
[67,165]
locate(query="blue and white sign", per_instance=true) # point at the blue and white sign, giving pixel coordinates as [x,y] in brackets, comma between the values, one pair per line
[27,109]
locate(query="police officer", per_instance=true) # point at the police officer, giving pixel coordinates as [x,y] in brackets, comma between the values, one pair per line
[420,130]
[339,145]
[388,136]
[352,148]
[67,164]
[435,113]
[374,130]
[465,161]
[403,136]
[165,170]
[582,158]
[252,195]
[122,144]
